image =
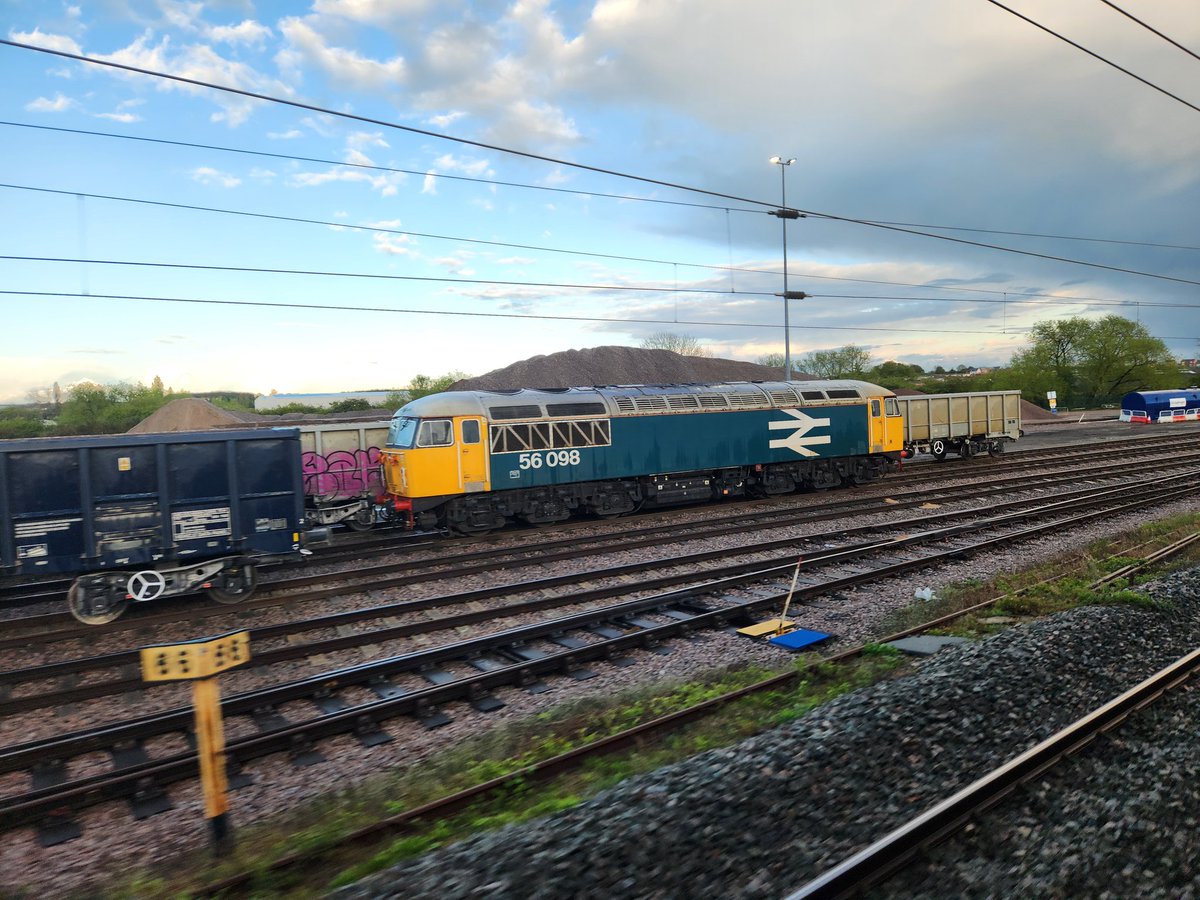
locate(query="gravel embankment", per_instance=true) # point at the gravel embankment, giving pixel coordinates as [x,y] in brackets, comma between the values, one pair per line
[761,818]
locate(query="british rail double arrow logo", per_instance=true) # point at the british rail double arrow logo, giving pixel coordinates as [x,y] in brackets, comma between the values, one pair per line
[799,440]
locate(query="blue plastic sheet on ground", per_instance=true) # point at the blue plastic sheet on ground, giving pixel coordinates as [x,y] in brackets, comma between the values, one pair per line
[800,638]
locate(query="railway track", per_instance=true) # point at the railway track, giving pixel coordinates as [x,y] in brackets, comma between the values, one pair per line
[875,864]
[21,594]
[537,595]
[481,555]
[315,860]
[614,632]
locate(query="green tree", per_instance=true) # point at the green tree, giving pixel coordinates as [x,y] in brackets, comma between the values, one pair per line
[350,404]
[97,409]
[423,385]
[1090,362]
[23,422]
[683,344]
[892,374]
[845,362]
[775,361]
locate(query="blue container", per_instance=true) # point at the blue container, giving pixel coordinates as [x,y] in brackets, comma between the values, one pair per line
[1161,406]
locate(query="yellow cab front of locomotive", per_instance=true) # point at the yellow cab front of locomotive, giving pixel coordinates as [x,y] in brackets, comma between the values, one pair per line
[421,458]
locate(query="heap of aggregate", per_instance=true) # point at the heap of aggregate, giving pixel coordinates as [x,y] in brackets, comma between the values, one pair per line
[761,818]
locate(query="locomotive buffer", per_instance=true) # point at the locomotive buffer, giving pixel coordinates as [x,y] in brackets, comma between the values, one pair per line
[199,661]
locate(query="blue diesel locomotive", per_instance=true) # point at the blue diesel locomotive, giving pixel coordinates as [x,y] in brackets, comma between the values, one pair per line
[473,460]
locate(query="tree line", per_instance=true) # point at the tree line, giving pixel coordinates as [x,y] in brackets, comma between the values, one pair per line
[1088,363]
[89,408]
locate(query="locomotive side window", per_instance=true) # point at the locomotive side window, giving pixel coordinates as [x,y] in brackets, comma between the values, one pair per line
[875,409]
[550,436]
[435,433]
[401,432]
[470,431]
[890,406]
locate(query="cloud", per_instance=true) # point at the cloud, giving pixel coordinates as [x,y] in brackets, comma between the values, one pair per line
[371,11]
[366,139]
[210,176]
[125,118]
[445,120]
[289,135]
[393,244]
[37,38]
[246,32]
[345,67]
[198,62]
[58,104]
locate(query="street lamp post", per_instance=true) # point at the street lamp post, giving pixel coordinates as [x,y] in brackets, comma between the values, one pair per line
[784,214]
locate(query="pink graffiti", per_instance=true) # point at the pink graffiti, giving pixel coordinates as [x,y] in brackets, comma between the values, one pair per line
[341,474]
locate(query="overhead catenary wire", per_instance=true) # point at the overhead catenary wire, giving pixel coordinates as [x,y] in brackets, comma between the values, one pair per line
[380,229]
[1151,28]
[491,182]
[1094,55]
[383,123]
[1007,297]
[1011,331]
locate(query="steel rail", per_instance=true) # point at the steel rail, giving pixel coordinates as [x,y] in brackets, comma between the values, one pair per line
[128,662]
[39,803]
[274,593]
[886,856]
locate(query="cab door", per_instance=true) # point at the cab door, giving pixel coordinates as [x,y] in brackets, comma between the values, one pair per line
[875,424]
[472,454]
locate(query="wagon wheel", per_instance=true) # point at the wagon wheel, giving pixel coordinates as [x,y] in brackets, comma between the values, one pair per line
[996,448]
[96,601]
[237,583]
[938,449]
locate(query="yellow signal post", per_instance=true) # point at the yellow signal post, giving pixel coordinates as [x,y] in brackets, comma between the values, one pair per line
[199,662]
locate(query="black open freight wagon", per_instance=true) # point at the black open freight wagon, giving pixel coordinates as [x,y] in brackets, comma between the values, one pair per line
[143,516]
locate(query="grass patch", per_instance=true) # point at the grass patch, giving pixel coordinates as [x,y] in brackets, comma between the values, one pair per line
[1057,585]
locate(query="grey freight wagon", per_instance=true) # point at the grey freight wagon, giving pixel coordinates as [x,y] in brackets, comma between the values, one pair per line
[966,424]
[137,517]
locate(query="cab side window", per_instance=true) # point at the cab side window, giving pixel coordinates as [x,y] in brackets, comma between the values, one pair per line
[435,433]
[470,431]
[892,407]
[874,409]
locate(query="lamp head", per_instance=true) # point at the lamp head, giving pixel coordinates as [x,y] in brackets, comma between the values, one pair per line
[780,161]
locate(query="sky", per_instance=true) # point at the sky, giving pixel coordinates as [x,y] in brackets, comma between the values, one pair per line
[456,186]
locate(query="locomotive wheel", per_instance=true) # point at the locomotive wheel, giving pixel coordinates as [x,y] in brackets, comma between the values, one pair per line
[238,583]
[363,520]
[96,607]
[471,530]
[938,449]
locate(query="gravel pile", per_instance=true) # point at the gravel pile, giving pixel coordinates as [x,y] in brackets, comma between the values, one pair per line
[761,818]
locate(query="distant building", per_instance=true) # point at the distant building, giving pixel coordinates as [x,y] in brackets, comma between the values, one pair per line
[1190,364]
[275,401]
